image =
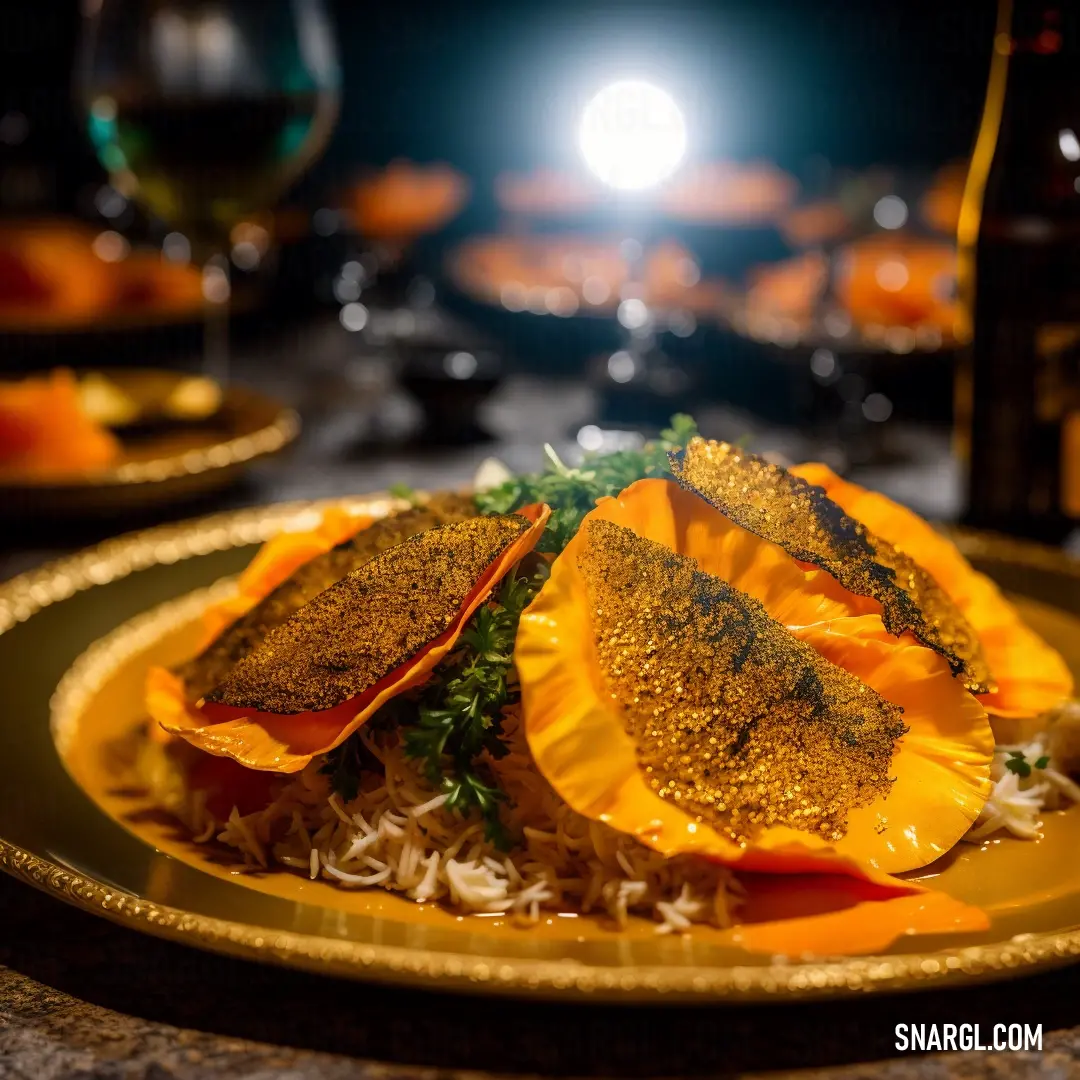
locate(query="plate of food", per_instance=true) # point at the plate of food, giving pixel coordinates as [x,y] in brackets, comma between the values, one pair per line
[678,723]
[60,276]
[887,293]
[572,275]
[127,438]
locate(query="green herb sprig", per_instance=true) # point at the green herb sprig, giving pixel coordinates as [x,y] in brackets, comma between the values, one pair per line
[457,717]
[572,492]
[461,712]
[1017,763]
[456,720]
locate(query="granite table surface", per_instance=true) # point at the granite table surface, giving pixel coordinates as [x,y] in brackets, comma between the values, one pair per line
[83,998]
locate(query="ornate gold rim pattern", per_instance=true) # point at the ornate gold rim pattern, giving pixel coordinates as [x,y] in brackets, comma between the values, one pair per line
[29,593]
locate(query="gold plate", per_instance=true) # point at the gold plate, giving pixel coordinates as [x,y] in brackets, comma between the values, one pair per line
[74,638]
[176,462]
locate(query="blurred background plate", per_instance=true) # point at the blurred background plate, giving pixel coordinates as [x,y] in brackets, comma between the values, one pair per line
[165,458]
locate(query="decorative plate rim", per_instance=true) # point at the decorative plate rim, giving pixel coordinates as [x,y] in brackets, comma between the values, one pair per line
[28,593]
[236,450]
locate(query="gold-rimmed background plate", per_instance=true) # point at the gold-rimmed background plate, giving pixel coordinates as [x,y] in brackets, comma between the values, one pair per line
[79,633]
[178,461]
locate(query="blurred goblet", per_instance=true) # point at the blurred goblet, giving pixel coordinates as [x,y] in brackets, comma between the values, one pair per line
[206,111]
[633,137]
[392,209]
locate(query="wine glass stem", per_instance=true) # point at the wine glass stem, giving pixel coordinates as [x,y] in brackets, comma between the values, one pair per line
[216,295]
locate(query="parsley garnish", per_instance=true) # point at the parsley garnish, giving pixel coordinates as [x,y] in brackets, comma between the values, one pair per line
[461,711]
[572,493]
[403,491]
[1020,765]
[456,718]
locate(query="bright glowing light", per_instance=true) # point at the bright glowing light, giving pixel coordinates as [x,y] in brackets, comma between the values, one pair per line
[246,255]
[890,212]
[632,135]
[562,302]
[110,246]
[892,275]
[621,366]
[215,284]
[460,365]
[590,437]
[353,316]
[176,248]
[346,289]
[1070,144]
[595,290]
[823,363]
[633,314]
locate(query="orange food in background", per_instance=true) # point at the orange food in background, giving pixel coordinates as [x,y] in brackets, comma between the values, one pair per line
[895,280]
[404,200]
[815,223]
[792,287]
[51,265]
[50,274]
[727,193]
[44,432]
[146,278]
[887,280]
[573,272]
[544,191]
[940,206]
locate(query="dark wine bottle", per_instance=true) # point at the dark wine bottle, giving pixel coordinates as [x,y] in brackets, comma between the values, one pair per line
[1018,376]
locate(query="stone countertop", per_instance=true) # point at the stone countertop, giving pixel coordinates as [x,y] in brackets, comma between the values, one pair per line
[83,998]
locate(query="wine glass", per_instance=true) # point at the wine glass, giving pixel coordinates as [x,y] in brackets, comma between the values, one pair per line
[205,111]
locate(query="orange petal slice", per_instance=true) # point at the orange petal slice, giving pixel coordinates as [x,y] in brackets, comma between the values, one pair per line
[1031,677]
[280,557]
[46,435]
[292,570]
[579,737]
[285,743]
[821,916]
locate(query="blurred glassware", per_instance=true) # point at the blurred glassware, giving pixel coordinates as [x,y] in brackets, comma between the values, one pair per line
[393,307]
[850,312]
[205,111]
[391,209]
[398,204]
[729,193]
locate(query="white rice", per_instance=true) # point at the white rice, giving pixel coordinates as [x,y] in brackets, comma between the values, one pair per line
[398,834]
[1017,803]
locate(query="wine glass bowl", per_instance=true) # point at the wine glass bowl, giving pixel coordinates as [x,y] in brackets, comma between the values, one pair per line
[207,110]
